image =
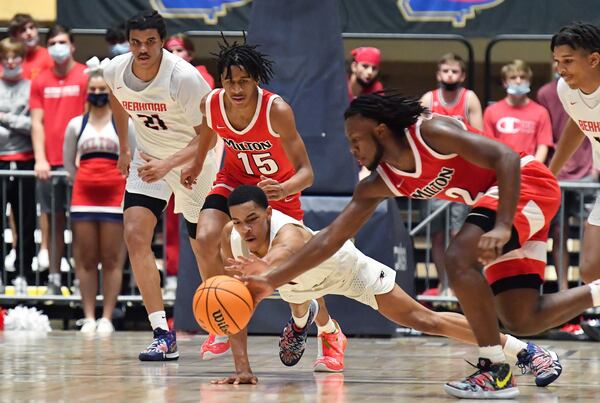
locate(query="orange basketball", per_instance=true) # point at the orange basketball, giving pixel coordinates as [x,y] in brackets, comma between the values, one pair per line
[222,305]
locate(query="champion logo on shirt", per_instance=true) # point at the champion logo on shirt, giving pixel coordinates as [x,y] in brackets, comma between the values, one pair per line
[61,92]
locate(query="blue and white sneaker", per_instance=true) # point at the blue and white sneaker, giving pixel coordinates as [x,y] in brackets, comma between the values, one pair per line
[542,363]
[292,341]
[163,348]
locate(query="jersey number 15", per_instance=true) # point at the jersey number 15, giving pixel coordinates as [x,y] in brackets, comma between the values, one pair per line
[263,162]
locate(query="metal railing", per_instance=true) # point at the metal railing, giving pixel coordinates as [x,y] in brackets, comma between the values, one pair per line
[33,274]
[584,193]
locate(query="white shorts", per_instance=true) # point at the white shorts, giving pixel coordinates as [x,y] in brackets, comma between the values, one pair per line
[361,282]
[594,217]
[188,202]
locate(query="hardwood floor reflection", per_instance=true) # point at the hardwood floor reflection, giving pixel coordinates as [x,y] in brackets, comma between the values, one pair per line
[67,366]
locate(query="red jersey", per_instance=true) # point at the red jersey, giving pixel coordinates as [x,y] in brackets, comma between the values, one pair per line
[523,128]
[254,151]
[448,177]
[459,109]
[35,62]
[61,99]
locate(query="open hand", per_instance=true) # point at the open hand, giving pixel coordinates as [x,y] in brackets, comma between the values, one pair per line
[272,188]
[237,379]
[491,244]
[153,170]
[259,287]
[249,266]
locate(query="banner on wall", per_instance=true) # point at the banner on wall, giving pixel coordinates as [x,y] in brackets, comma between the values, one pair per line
[471,18]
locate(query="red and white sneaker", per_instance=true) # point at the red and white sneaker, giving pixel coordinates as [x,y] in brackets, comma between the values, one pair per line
[331,351]
[214,348]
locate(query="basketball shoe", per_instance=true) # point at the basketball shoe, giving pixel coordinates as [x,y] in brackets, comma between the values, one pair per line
[542,363]
[331,351]
[491,381]
[163,348]
[292,341]
[214,348]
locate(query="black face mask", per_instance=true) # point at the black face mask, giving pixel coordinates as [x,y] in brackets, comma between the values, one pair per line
[98,100]
[363,83]
[450,86]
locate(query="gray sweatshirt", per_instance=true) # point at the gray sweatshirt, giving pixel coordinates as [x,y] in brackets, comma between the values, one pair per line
[15,121]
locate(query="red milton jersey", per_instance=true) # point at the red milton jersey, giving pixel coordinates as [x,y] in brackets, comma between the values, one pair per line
[257,149]
[448,177]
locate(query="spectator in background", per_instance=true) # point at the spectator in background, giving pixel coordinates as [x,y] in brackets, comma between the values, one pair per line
[518,121]
[116,41]
[23,28]
[96,211]
[364,70]
[450,99]
[182,46]
[57,95]
[16,151]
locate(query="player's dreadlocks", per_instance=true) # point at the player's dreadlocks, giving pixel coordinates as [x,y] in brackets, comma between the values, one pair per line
[578,35]
[245,56]
[396,111]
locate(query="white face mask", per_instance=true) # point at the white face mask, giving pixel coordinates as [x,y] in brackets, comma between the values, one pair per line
[59,52]
[12,73]
[32,42]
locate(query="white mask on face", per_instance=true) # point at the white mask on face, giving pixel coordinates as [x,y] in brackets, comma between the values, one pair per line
[59,52]
[12,73]
[32,42]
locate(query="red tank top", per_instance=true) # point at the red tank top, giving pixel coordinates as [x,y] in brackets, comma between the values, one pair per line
[254,151]
[457,109]
[448,177]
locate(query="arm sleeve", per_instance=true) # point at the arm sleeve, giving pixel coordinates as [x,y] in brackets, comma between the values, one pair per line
[70,145]
[188,89]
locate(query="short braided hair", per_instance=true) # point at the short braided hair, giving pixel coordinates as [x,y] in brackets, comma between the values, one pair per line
[245,56]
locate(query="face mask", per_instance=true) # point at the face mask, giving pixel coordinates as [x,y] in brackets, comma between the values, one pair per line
[98,100]
[514,89]
[32,42]
[119,49]
[60,52]
[449,86]
[12,73]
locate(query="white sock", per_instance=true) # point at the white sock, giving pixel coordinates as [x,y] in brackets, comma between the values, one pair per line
[595,290]
[492,353]
[301,321]
[54,278]
[158,319]
[329,327]
[221,339]
[513,346]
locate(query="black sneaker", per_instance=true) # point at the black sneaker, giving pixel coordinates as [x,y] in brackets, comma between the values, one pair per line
[162,348]
[491,381]
[542,363]
[292,341]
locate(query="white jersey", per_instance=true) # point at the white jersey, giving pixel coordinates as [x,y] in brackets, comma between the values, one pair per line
[348,272]
[584,110]
[167,110]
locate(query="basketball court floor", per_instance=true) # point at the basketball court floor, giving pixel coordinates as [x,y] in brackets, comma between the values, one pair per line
[68,366]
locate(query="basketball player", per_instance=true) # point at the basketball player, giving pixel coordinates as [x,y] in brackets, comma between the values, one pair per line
[513,199]
[260,236]
[576,49]
[160,92]
[450,99]
[263,148]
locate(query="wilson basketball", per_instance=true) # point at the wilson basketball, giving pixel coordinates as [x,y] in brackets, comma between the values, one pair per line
[222,305]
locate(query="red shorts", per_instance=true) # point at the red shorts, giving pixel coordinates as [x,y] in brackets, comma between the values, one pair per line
[539,201]
[225,184]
